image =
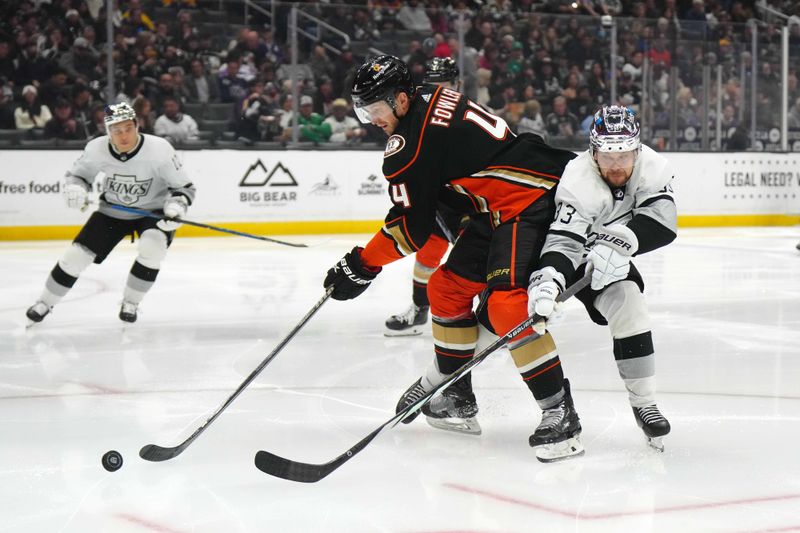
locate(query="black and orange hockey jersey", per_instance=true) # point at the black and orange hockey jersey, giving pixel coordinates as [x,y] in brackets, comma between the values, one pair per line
[449,149]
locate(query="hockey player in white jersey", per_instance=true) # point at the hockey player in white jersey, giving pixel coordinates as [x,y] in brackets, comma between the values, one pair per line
[614,201]
[139,171]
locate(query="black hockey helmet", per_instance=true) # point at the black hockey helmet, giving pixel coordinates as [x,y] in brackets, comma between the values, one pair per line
[440,70]
[380,78]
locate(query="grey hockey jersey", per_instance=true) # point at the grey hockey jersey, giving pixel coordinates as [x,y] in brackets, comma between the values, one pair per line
[585,203]
[142,178]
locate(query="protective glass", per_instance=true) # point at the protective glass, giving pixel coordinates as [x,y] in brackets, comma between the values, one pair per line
[376,110]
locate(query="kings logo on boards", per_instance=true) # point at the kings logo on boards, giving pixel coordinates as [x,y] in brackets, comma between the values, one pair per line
[278,185]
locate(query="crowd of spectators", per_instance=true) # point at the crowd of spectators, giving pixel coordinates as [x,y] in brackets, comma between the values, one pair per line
[193,74]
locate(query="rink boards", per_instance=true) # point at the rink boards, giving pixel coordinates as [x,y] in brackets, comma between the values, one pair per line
[308,192]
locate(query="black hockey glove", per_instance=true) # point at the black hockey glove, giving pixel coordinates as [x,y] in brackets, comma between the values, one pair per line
[349,277]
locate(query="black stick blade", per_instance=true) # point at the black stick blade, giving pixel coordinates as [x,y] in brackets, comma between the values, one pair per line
[155,453]
[290,470]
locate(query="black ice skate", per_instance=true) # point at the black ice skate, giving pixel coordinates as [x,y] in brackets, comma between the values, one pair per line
[127,313]
[557,436]
[455,408]
[411,395]
[37,312]
[654,425]
[412,322]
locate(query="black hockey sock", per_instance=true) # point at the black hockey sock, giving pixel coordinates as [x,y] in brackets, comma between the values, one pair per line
[540,367]
[420,294]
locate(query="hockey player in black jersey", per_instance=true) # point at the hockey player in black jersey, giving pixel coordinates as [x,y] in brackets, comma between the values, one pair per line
[444,148]
[137,170]
[444,72]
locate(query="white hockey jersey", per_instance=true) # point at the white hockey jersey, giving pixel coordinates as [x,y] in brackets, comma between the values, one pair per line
[585,203]
[142,178]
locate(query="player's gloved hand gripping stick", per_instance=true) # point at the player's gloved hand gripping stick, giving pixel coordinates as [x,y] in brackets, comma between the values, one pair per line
[311,473]
[180,220]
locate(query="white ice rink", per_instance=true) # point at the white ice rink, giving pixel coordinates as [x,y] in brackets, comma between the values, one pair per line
[725,305]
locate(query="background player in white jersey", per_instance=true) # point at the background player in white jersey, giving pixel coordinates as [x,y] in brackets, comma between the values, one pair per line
[137,170]
[438,71]
[614,201]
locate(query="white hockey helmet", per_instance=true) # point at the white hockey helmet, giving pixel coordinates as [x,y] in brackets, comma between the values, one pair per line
[119,113]
[614,129]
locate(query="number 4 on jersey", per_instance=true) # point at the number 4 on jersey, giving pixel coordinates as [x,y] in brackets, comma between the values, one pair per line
[400,194]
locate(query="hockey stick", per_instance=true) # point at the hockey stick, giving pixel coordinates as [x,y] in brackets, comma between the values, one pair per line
[141,212]
[311,473]
[154,452]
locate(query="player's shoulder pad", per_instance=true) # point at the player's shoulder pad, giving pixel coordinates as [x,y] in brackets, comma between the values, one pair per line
[656,172]
[156,142]
[581,184]
[402,147]
[97,145]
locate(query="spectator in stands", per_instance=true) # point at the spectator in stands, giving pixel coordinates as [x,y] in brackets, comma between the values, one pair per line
[55,45]
[166,89]
[468,65]
[794,115]
[144,114]
[136,19]
[730,120]
[344,128]
[257,118]
[561,123]
[531,120]
[324,97]
[179,80]
[312,126]
[7,68]
[412,16]
[549,84]
[97,124]
[598,85]
[6,109]
[54,88]
[63,125]
[82,108]
[250,42]
[345,67]
[232,88]
[31,113]
[484,80]
[173,125]
[634,66]
[131,88]
[200,86]
[31,66]
[659,53]
[73,23]
[320,63]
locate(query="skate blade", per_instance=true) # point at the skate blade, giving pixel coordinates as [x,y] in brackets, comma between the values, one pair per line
[558,451]
[657,443]
[469,426]
[410,332]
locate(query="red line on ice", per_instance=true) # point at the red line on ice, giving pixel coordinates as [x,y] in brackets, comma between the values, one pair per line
[601,516]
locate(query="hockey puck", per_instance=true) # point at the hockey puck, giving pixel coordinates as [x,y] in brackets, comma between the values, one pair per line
[112,461]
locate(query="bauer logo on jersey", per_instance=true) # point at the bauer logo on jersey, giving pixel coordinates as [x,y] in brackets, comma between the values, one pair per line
[394,145]
[127,189]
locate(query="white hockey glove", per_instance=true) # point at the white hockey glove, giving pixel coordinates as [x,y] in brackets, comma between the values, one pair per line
[544,287]
[76,196]
[611,255]
[174,207]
